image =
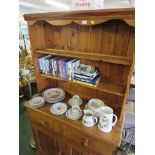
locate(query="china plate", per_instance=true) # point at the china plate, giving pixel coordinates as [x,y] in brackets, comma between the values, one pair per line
[98,112]
[69,115]
[95,104]
[53,95]
[36,102]
[58,108]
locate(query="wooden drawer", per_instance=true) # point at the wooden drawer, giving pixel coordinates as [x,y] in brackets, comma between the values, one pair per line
[88,142]
[44,121]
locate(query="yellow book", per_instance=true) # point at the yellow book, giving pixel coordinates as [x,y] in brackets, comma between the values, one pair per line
[81,82]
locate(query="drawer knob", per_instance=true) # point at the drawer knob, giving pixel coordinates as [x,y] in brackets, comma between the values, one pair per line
[84,142]
[43,122]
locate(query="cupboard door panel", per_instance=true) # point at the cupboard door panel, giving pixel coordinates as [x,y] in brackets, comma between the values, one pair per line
[50,143]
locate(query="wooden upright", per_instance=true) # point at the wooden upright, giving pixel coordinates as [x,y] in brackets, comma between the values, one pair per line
[101,38]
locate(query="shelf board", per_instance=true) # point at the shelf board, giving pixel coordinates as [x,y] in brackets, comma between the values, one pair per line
[89,56]
[102,86]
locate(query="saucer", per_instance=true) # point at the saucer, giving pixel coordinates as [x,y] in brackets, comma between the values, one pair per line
[69,115]
[86,124]
[58,108]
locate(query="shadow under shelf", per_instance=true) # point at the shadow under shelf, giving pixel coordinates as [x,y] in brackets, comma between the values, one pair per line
[103,86]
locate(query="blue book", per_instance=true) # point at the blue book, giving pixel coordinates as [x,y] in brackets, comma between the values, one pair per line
[63,65]
[40,65]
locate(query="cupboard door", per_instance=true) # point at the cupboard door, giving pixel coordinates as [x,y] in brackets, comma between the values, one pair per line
[50,144]
[74,148]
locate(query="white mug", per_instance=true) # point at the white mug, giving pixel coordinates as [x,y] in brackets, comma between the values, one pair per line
[106,120]
[88,119]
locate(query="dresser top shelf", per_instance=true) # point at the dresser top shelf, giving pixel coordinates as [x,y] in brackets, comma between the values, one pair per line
[88,56]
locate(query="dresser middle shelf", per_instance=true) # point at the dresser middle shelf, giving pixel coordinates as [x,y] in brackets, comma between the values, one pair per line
[106,87]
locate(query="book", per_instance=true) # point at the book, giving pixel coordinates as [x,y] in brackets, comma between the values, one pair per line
[42,59]
[47,64]
[52,65]
[60,67]
[63,63]
[75,64]
[56,66]
[85,76]
[69,68]
[87,80]
[86,70]
[88,84]
[40,65]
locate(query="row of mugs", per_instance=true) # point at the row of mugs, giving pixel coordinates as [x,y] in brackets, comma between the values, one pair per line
[106,120]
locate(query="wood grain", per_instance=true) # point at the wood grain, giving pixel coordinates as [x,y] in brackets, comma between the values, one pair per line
[83,55]
[123,13]
[74,38]
[106,41]
[84,38]
[121,39]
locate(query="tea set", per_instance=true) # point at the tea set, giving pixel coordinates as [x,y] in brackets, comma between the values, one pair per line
[96,111]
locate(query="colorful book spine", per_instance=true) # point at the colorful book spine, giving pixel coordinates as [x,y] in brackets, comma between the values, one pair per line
[69,68]
[60,68]
[88,84]
[56,66]
[74,66]
[40,65]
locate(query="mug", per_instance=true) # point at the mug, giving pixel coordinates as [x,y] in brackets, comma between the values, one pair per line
[106,120]
[88,119]
[75,110]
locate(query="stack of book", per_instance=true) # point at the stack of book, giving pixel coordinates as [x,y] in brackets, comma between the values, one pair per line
[86,74]
[58,66]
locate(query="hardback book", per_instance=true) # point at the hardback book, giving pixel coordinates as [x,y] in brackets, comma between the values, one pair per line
[74,67]
[52,65]
[60,62]
[66,68]
[43,63]
[86,70]
[64,75]
[88,84]
[56,66]
[48,64]
[69,68]
[89,80]
[40,65]
[86,77]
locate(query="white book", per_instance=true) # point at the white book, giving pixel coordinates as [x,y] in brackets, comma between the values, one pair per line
[69,68]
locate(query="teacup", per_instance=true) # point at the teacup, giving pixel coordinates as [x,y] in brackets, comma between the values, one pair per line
[106,120]
[75,110]
[88,119]
[75,100]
